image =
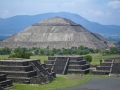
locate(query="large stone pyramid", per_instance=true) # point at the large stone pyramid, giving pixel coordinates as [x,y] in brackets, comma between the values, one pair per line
[56,32]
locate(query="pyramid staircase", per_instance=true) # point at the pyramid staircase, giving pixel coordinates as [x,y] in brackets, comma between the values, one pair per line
[26,71]
[108,67]
[67,64]
[4,83]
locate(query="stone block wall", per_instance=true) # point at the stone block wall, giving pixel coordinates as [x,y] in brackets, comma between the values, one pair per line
[68,64]
[4,83]
[26,71]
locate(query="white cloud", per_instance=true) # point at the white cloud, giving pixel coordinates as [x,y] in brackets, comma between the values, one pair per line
[92,12]
[96,13]
[70,4]
[99,13]
[114,4]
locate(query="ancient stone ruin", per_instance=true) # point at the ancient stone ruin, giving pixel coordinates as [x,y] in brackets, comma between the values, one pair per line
[56,33]
[67,64]
[4,83]
[26,71]
[108,67]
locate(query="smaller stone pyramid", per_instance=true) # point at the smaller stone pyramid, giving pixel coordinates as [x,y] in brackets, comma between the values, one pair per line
[67,64]
[108,67]
[26,71]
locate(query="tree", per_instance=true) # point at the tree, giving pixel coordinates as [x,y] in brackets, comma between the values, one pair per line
[21,54]
[5,51]
[113,50]
[88,58]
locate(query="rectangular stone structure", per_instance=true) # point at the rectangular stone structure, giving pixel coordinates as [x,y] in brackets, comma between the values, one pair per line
[26,71]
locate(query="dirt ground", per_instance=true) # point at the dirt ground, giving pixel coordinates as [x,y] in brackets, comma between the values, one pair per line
[97,84]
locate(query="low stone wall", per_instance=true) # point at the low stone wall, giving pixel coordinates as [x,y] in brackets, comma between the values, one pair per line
[105,64]
[82,62]
[103,68]
[19,74]
[16,68]
[14,63]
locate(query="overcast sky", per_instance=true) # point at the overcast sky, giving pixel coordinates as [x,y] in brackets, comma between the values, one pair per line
[102,11]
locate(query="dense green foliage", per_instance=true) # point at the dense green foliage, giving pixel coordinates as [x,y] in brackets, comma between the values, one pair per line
[113,50]
[88,58]
[21,54]
[5,51]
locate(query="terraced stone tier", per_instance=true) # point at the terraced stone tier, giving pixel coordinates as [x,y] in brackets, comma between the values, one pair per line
[67,64]
[16,68]
[101,72]
[19,74]
[82,62]
[4,82]
[78,71]
[26,71]
[107,68]
[105,64]
[78,66]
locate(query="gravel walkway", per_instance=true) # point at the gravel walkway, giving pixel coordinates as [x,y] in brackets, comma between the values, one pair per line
[99,84]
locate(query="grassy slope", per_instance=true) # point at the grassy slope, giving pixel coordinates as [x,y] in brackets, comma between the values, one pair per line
[95,60]
[97,57]
[61,82]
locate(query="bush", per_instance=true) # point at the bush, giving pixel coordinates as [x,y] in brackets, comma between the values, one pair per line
[88,58]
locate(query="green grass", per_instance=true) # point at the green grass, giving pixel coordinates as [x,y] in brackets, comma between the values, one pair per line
[3,56]
[95,60]
[97,57]
[60,82]
[42,58]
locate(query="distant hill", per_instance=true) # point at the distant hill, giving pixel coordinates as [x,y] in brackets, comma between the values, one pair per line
[15,24]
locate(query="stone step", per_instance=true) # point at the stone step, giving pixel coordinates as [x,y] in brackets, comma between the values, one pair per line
[108,60]
[78,66]
[77,62]
[19,74]
[24,80]
[16,68]
[100,72]
[51,58]
[2,77]
[78,71]
[14,63]
[105,64]
[107,68]
[6,83]
[49,66]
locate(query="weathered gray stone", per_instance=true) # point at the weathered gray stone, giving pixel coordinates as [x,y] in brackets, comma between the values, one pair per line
[56,33]
[108,67]
[26,71]
[67,64]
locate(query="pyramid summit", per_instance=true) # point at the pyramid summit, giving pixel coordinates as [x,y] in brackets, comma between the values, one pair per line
[56,32]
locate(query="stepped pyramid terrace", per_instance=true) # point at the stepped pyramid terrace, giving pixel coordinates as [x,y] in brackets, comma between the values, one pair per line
[4,83]
[108,67]
[56,32]
[67,64]
[26,71]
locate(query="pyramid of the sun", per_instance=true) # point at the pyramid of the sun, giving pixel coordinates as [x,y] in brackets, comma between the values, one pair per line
[56,32]
[26,71]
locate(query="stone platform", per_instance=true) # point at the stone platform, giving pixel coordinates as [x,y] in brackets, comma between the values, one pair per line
[4,83]
[108,67]
[26,71]
[67,64]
